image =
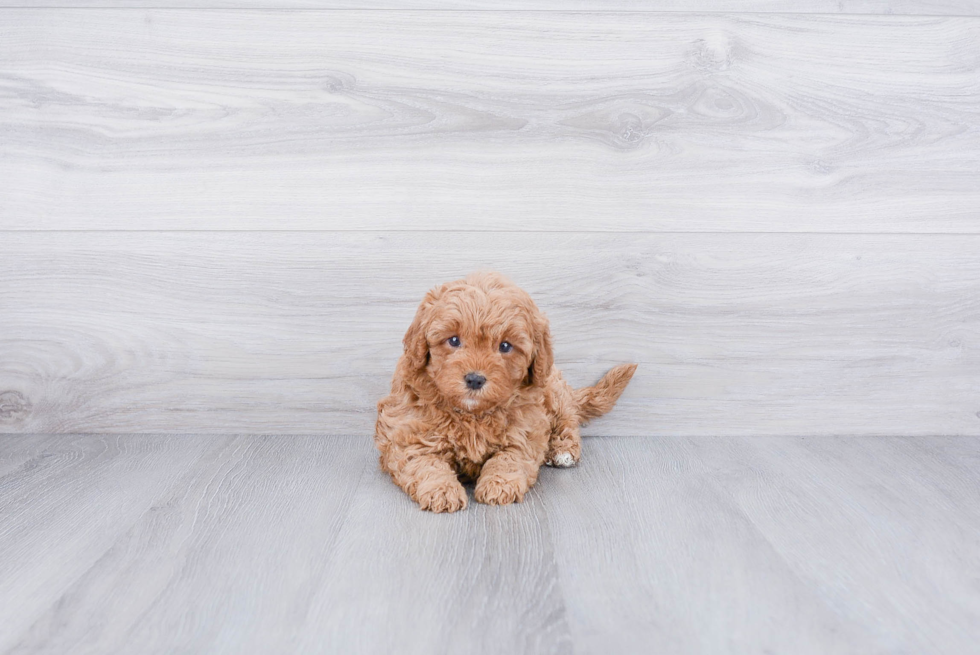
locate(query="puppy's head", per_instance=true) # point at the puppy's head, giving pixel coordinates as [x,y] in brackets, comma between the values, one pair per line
[476,342]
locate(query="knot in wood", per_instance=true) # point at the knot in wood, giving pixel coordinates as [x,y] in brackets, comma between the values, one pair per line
[14,406]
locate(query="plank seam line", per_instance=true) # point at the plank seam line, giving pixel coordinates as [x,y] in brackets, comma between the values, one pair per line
[367,435]
[478,232]
[648,12]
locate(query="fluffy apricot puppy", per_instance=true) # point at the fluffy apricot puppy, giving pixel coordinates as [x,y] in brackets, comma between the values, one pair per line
[476,396]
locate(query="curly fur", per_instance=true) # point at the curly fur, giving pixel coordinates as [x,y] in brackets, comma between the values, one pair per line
[433,431]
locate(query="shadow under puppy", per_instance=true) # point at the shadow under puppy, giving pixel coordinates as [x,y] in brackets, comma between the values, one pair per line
[476,396]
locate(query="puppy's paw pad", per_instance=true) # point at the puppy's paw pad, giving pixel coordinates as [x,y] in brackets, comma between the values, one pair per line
[562,460]
[495,491]
[444,498]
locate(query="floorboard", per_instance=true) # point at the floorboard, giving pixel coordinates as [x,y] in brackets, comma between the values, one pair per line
[849,516]
[484,581]
[703,578]
[223,560]
[64,510]
[196,543]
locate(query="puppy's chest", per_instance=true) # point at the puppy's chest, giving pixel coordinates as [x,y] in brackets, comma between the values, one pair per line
[474,442]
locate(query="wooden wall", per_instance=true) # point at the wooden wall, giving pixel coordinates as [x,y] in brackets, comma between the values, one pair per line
[222,220]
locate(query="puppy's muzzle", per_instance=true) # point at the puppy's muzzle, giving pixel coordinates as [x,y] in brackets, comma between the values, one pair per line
[474,381]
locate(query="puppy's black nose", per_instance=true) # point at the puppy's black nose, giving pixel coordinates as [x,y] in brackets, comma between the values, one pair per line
[474,381]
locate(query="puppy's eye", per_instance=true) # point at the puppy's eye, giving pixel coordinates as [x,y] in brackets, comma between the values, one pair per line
[505,347]
[454,342]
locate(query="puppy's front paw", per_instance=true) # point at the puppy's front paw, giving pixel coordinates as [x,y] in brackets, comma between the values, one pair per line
[443,497]
[494,490]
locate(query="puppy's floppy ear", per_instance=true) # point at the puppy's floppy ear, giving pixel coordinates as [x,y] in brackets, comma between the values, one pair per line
[542,357]
[416,355]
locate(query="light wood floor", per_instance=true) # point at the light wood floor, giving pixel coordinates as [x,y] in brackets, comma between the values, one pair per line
[213,544]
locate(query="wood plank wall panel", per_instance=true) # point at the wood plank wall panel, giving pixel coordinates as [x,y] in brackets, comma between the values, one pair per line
[901,7]
[158,119]
[221,221]
[298,333]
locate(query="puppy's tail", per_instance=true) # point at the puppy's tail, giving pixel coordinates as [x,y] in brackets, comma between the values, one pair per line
[597,400]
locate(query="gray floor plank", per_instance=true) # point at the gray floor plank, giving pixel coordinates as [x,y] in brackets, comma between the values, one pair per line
[225,561]
[27,451]
[779,544]
[886,529]
[654,558]
[300,544]
[183,119]
[482,582]
[60,515]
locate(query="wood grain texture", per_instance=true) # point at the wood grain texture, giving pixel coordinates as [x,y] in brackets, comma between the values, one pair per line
[510,121]
[285,544]
[299,333]
[61,511]
[887,7]
[705,580]
[770,544]
[894,501]
[482,582]
[223,561]
[26,451]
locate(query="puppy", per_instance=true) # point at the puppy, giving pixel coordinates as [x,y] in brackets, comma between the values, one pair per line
[476,397]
